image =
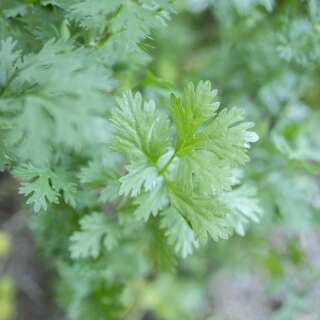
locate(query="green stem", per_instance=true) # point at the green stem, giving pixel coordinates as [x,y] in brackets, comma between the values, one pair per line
[167,164]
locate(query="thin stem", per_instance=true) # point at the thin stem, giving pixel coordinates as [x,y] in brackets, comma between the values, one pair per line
[167,164]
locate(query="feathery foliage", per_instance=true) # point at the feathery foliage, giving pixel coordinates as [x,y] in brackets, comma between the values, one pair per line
[128,173]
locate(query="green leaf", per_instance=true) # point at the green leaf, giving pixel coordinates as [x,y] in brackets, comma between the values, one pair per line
[140,177]
[151,203]
[205,214]
[228,137]
[243,207]
[140,131]
[210,175]
[209,142]
[189,115]
[43,186]
[9,59]
[103,176]
[96,233]
[91,14]
[42,105]
[179,233]
[187,177]
[37,187]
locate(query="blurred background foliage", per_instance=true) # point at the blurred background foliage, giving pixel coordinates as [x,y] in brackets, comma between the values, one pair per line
[263,56]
